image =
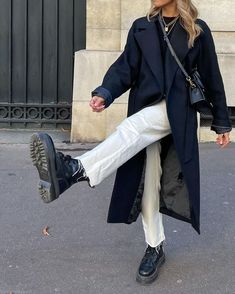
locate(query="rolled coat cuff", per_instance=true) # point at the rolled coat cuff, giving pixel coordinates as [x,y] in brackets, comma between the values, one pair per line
[221,130]
[221,126]
[104,93]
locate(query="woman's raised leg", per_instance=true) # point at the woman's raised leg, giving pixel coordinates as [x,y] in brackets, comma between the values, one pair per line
[58,172]
[131,136]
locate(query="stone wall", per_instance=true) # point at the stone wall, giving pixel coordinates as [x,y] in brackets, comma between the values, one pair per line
[108,22]
[90,126]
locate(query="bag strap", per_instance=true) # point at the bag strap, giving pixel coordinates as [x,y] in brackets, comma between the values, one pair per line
[187,76]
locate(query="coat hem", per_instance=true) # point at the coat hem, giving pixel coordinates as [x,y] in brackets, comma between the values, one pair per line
[121,222]
[179,217]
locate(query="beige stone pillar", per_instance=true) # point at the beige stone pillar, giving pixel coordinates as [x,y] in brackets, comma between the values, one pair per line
[88,126]
[103,24]
[129,13]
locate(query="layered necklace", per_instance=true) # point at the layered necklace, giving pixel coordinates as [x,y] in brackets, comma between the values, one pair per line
[169,26]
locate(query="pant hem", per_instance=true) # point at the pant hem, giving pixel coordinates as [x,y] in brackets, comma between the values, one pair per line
[155,244]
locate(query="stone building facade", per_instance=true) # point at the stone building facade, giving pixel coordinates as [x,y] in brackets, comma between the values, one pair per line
[108,22]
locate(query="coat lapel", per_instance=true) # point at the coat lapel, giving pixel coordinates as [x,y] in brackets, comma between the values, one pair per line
[148,40]
[179,42]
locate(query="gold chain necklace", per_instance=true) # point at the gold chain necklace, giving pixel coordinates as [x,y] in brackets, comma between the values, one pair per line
[173,22]
[168,31]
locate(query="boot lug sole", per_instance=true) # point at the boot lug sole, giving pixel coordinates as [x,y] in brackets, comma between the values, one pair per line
[147,280]
[45,191]
[42,153]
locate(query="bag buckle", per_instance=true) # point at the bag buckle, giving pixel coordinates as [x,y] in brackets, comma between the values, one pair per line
[191,83]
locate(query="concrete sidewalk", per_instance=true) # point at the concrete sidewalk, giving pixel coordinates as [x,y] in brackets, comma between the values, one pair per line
[85,255]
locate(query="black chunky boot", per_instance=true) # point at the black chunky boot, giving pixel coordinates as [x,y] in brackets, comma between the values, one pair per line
[150,264]
[57,172]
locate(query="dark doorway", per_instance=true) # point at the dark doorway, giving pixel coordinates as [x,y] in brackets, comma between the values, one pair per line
[38,39]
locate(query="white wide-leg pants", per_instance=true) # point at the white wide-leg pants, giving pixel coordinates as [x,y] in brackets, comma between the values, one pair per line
[142,129]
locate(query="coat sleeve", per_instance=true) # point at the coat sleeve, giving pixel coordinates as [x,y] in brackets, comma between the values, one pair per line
[122,73]
[208,68]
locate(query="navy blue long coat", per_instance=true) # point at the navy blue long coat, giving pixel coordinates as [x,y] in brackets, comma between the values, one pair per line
[140,69]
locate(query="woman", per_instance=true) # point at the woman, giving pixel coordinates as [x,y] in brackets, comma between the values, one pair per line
[155,149]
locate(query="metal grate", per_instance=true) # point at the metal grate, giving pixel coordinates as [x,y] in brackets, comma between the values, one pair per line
[38,113]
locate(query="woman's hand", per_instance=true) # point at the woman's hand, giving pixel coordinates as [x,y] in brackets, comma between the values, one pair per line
[97,104]
[223,139]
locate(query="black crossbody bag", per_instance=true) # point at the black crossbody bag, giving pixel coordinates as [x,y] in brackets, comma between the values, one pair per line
[197,92]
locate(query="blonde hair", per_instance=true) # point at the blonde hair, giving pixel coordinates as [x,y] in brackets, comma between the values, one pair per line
[188,15]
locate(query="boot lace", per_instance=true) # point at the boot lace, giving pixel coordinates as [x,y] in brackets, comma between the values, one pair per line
[68,162]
